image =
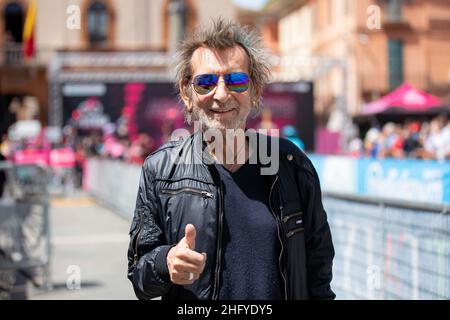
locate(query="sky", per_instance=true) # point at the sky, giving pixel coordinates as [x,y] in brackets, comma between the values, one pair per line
[250,4]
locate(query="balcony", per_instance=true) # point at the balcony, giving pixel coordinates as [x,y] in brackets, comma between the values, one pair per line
[393,16]
[11,55]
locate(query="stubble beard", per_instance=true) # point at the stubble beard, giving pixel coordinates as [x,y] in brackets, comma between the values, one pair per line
[209,122]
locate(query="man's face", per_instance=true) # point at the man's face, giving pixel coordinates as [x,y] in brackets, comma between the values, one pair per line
[221,108]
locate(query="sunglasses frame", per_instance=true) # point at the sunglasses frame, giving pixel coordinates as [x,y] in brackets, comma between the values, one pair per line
[218,81]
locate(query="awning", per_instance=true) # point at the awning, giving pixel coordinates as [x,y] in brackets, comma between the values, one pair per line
[404,99]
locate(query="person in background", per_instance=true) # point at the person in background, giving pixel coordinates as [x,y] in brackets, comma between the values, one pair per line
[371,142]
[446,140]
[80,158]
[411,134]
[434,147]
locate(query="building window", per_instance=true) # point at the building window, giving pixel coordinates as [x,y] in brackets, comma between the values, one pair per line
[14,20]
[180,18]
[394,10]
[98,19]
[395,48]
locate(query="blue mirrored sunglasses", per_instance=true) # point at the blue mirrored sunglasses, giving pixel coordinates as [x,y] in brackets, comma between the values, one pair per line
[236,82]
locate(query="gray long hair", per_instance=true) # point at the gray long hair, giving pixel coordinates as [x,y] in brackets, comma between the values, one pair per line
[221,35]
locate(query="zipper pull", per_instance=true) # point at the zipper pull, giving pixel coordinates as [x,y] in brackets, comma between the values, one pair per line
[135,260]
[207,194]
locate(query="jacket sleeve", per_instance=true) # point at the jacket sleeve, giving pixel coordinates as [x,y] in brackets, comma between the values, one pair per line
[147,252]
[319,244]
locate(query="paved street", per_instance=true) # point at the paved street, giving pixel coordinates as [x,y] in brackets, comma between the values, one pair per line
[90,240]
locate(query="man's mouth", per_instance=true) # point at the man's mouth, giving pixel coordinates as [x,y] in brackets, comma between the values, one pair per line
[222,111]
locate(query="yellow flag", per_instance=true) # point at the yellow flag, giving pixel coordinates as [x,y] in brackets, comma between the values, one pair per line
[28,30]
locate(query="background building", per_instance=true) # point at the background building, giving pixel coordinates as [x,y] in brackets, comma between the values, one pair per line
[142,32]
[356,51]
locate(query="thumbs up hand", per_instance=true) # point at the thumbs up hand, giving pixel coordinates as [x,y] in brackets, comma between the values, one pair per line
[185,265]
[190,235]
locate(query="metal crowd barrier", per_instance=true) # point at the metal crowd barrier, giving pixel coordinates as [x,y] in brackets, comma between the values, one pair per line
[113,182]
[24,229]
[388,249]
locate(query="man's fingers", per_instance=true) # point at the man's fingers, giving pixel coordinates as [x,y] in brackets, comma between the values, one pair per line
[182,266]
[189,259]
[190,234]
[184,278]
[192,257]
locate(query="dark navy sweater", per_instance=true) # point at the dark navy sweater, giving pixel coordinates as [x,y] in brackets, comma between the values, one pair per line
[249,268]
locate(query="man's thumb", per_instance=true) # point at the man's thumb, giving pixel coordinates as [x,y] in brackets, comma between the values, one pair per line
[190,235]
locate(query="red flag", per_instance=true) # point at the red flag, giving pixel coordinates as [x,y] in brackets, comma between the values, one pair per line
[28,30]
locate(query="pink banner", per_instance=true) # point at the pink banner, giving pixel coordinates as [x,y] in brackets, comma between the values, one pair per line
[327,142]
[62,158]
[31,157]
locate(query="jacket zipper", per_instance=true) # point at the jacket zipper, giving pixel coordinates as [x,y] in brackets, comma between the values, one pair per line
[287,218]
[291,233]
[136,238]
[279,238]
[219,245]
[204,194]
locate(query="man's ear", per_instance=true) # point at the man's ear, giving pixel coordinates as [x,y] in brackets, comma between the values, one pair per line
[256,96]
[186,96]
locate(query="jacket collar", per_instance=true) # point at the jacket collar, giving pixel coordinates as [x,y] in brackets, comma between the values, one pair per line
[199,155]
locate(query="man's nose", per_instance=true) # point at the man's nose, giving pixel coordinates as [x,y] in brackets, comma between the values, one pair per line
[222,93]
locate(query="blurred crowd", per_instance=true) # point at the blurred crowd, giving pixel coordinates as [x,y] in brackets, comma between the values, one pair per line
[428,140]
[412,139]
[114,147]
[77,149]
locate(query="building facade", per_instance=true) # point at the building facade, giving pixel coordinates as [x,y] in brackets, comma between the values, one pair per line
[92,37]
[358,50]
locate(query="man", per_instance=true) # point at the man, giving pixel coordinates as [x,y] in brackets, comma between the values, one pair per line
[210,229]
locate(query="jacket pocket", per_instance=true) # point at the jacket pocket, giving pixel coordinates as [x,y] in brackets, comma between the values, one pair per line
[134,224]
[135,235]
[294,232]
[298,215]
[193,191]
[293,221]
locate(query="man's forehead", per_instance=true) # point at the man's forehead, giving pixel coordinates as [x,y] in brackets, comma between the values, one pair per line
[205,59]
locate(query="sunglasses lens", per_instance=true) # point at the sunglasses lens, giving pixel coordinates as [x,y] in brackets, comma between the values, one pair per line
[205,83]
[237,82]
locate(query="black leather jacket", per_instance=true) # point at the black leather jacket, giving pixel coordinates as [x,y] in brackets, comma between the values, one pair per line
[174,191]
